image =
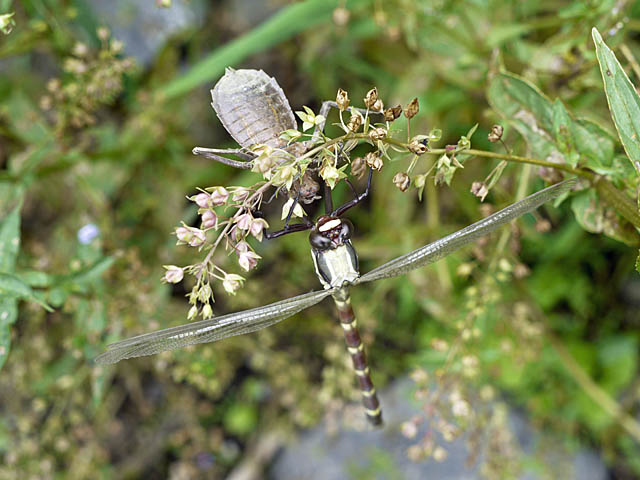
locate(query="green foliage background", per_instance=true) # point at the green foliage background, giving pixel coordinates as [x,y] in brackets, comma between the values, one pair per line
[560,340]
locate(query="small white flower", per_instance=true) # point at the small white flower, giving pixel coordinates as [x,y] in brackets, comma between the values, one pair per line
[298,211]
[173,274]
[193,311]
[232,282]
[257,227]
[207,311]
[244,221]
[247,258]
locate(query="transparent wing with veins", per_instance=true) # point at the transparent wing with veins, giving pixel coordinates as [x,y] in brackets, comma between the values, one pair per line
[210,330]
[447,245]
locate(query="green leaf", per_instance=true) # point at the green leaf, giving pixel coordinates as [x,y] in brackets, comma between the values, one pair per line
[12,286]
[623,99]
[86,275]
[638,262]
[549,128]
[9,246]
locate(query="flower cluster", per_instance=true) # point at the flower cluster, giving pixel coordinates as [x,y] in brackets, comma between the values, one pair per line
[93,79]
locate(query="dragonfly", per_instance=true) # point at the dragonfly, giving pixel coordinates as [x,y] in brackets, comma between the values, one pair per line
[336,265]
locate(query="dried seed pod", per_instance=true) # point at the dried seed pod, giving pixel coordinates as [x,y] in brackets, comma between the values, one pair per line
[479,189]
[342,99]
[371,98]
[355,121]
[402,181]
[377,133]
[358,167]
[412,109]
[496,133]
[390,114]
[374,161]
[417,147]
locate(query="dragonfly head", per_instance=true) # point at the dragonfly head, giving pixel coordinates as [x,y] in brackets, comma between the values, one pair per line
[330,232]
[334,257]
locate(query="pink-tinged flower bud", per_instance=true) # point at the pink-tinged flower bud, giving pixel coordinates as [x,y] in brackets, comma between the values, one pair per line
[184,234]
[496,133]
[248,259]
[203,200]
[219,196]
[209,219]
[241,194]
[173,274]
[479,189]
[232,283]
[198,237]
[244,221]
[257,228]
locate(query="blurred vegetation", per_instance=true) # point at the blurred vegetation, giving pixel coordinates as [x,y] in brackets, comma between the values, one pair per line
[95,164]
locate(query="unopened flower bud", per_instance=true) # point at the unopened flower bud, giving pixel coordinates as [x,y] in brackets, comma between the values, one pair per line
[374,161]
[355,121]
[257,227]
[232,282]
[193,311]
[402,181]
[207,311]
[244,221]
[341,16]
[479,189]
[241,194]
[183,234]
[205,293]
[358,167]
[203,200]
[371,98]
[496,133]
[173,274]
[390,114]
[417,147]
[412,109]
[342,99]
[219,196]
[377,133]
[209,219]
[198,237]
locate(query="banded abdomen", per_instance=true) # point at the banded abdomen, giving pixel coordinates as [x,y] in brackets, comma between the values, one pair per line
[358,357]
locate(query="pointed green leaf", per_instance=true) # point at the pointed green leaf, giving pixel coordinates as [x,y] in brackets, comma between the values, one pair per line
[9,246]
[623,99]
[12,286]
[562,123]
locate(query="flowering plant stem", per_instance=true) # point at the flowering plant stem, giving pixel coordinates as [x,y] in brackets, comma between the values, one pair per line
[614,197]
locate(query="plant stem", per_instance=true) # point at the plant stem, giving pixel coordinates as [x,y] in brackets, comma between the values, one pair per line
[597,394]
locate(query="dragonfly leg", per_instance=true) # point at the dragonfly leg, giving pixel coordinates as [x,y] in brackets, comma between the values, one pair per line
[328,200]
[340,210]
[212,153]
[297,227]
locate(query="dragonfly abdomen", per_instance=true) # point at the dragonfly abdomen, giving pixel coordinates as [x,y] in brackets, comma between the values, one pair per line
[358,357]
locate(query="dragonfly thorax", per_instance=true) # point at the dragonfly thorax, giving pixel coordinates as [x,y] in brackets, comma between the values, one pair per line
[333,254]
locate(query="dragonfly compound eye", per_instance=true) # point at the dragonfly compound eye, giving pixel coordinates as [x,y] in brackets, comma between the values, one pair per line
[346,231]
[319,241]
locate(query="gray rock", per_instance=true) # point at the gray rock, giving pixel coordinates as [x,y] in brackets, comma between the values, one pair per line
[382,454]
[142,26]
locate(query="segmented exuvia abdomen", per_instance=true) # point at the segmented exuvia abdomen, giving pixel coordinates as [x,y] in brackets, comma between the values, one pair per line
[252,107]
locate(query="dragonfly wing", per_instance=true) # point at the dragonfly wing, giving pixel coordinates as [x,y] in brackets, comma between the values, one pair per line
[209,330]
[445,246]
